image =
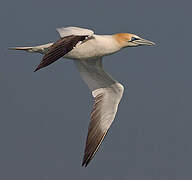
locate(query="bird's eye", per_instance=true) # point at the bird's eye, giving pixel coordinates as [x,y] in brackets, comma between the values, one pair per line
[134,39]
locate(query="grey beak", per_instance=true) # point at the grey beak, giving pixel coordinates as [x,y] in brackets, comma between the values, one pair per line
[144,42]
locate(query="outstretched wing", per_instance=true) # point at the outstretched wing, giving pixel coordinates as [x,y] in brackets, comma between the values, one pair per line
[107,94]
[59,49]
[77,31]
[70,36]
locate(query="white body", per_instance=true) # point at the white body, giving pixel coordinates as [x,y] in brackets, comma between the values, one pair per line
[96,47]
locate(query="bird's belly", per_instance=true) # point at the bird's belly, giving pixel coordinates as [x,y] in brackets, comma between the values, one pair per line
[81,54]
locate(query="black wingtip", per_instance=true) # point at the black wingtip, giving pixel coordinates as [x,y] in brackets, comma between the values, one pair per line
[36,69]
[86,161]
[84,164]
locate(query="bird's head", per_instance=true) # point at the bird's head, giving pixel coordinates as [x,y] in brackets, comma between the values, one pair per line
[131,40]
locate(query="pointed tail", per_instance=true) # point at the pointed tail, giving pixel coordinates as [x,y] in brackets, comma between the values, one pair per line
[29,49]
[34,49]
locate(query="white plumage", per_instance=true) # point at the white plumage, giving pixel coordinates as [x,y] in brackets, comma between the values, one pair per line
[87,50]
[67,31]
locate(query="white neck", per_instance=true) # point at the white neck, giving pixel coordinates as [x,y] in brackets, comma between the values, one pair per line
[108,44]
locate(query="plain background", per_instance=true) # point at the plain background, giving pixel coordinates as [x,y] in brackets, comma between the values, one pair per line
[44,115]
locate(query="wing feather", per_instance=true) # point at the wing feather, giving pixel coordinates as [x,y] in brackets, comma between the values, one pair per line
[107,94]
[68,31]
[59,49]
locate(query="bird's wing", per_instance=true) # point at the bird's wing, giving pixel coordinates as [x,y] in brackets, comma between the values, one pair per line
[107,94]
[67,31]
[70,37]
[59,49]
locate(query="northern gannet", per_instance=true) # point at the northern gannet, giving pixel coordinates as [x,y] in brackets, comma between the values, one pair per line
[87,50]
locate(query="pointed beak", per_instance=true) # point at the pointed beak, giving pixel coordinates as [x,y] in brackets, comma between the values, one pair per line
[144,42]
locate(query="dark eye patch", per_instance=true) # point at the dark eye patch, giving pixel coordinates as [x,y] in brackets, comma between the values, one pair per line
[134,39]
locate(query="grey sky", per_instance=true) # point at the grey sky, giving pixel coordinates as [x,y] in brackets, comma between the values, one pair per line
[43,120]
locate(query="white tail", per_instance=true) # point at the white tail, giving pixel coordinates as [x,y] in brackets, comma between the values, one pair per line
[34,49]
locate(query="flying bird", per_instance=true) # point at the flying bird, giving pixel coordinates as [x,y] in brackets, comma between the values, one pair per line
[87,50]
